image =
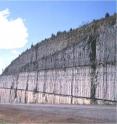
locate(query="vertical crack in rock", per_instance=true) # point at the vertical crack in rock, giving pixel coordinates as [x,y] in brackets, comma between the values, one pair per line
[12,86]
[36,55]
[26,90]
[115,62]
[26,86]
[92,55]
[37,87]
[15,90]
[72,82]
[44,85]
[106,56]
[35,91]
[25,100]
[55,79]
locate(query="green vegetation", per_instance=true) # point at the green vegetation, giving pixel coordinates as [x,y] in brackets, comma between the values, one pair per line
[4,122]
[107,15]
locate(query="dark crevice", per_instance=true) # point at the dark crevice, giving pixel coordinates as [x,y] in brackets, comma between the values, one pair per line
[15,92]
[92,56]
[25,100]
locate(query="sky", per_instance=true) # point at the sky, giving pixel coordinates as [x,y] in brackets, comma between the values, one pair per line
[23,23]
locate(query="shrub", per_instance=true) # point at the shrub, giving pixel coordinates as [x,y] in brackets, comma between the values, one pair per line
[107,15]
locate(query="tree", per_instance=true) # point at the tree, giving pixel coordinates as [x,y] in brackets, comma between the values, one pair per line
[71,29]
[107,15]
[31,45]
[58,33]
[53,35]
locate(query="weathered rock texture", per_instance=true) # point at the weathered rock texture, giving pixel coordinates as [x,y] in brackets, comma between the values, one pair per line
[75,67]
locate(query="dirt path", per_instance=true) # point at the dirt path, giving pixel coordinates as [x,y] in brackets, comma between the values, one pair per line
[41,114]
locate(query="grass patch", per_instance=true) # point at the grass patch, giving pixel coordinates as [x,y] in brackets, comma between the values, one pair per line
[4,122]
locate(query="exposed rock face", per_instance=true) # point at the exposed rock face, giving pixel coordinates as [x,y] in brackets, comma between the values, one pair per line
[76,67]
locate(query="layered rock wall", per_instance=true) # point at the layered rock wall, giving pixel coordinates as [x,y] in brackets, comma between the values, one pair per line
[78,67]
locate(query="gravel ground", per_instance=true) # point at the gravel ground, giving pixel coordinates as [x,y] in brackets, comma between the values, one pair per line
[55,114]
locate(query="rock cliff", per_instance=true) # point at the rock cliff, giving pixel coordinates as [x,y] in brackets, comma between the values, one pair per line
[75,67]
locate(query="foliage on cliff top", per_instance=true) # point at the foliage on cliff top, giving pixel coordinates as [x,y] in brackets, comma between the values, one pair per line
[110,20]
[73,35]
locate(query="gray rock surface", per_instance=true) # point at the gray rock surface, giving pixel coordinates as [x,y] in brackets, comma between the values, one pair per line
[76,67]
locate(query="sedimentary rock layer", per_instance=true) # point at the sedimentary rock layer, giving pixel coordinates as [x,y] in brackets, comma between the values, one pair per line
[73,67]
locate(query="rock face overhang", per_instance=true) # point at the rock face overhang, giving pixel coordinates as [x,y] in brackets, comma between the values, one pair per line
[75,67]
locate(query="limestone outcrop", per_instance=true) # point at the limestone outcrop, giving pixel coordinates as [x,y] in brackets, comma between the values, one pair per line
[75,67]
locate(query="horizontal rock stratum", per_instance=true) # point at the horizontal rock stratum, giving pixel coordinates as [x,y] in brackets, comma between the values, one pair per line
[75,67]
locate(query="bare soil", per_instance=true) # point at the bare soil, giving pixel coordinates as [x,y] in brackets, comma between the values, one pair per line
[55,114]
